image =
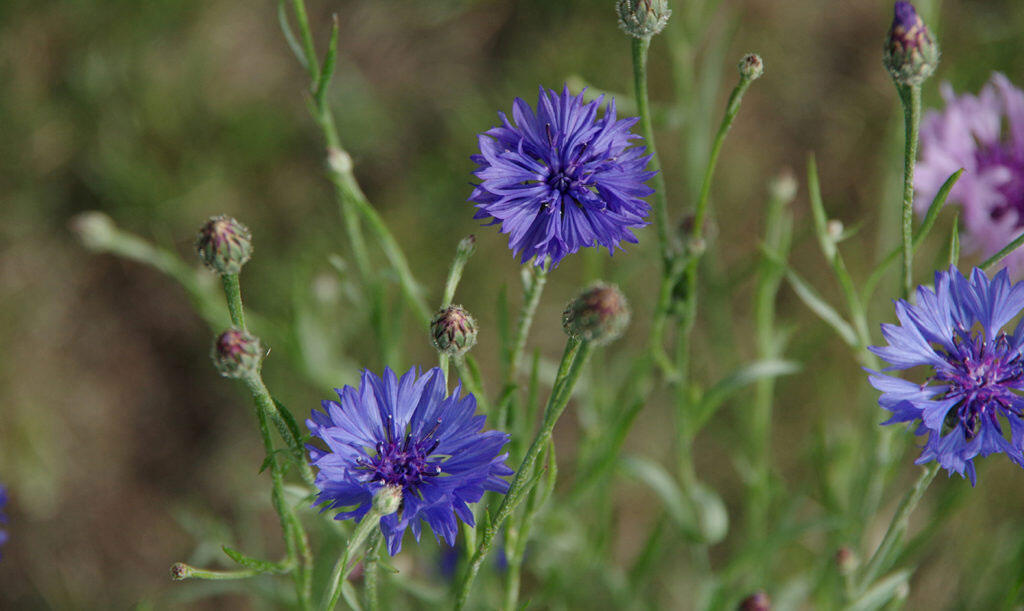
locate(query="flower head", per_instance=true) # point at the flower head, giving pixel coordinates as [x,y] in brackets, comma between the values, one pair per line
[224,245]
[911,53]
[236,353]
[561,179]
[453,330]
[406,432]
[599,314]
[970,405]
[3,517]
[984,135]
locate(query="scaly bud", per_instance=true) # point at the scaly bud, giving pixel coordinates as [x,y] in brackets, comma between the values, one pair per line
[599,314]
[224,245]
[642,18]
[751,67]
[387,500]
[453,330]
[236,353]
[911,54]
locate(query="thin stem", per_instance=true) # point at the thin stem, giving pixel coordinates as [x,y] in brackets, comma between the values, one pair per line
[295,536]
[910,96]
[182,571]
[366,527]
[897,527]
[531,298]
[371,572]
[299,6]
[639,49]
[233,292]
[471,379]
[462,255]
[569,371]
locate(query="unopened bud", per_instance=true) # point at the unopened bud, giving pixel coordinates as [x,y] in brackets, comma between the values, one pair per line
[224,245]
[599,314]
[236,353]
[180,571]
[834,227]
[911,54]
[751,67]
[339,161]
[387,500]
[784,186]
[453,330]
[466,247]
[846,561]
[758,601]
[95,229]
[642,18]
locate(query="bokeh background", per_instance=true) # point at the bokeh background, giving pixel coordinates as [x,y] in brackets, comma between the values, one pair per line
[124,451]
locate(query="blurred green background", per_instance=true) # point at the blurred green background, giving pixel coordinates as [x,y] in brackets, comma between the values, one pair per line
[122,448]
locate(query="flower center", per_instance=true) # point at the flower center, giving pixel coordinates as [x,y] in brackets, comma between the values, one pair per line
[1006,158]
[401,463]
[982,376]
[562,180]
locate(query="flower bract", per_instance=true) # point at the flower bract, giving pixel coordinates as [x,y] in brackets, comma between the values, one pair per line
[406,432]
[970,403]
[560,179]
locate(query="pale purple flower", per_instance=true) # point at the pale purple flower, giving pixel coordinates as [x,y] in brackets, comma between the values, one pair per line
[984,135]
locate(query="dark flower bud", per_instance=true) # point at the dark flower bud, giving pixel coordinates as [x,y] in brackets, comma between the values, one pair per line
[224,245]
[237,353]
[453,331]
[599,314]
[642,18]
[846,561]
[911,54]
[758,601]
[751,67]
[180,571]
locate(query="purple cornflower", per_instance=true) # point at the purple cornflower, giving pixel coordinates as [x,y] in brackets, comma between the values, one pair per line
[983,134]
[3,517]
[561,179]
[406,432]
[972,394]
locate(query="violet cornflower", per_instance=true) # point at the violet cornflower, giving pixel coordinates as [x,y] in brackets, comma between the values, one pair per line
[408,433]
[970,404]
[561,179]
[984,135]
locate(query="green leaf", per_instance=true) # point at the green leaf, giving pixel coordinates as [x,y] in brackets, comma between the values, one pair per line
[327,69]
[819,306]
[700,514]
[348,592]
[954,241]
[263,566]
[881,593]
[825,241]
[289,36]
[715,396]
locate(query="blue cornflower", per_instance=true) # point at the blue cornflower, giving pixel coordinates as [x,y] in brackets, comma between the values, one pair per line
[3,517]
[972,395]
[406,432]
[561,179]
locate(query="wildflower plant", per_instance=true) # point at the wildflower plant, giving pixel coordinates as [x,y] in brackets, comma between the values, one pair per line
[472,441]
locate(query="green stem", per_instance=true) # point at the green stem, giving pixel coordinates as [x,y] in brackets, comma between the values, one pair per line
[295,536]
[182,571]
[531,298]
[639,49]
[299,6]
[569,371]
[233,292]
[371,573]
[462,255]
[367,526]
[470,377]
[897,527]
[910,96]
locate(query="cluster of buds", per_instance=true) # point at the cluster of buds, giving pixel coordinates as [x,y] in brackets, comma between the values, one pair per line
[911,54]
[642,18]
[236,353]
[453,331]
[598,315]
[224,245]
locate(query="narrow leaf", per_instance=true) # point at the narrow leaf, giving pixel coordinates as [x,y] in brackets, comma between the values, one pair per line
[729,385]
